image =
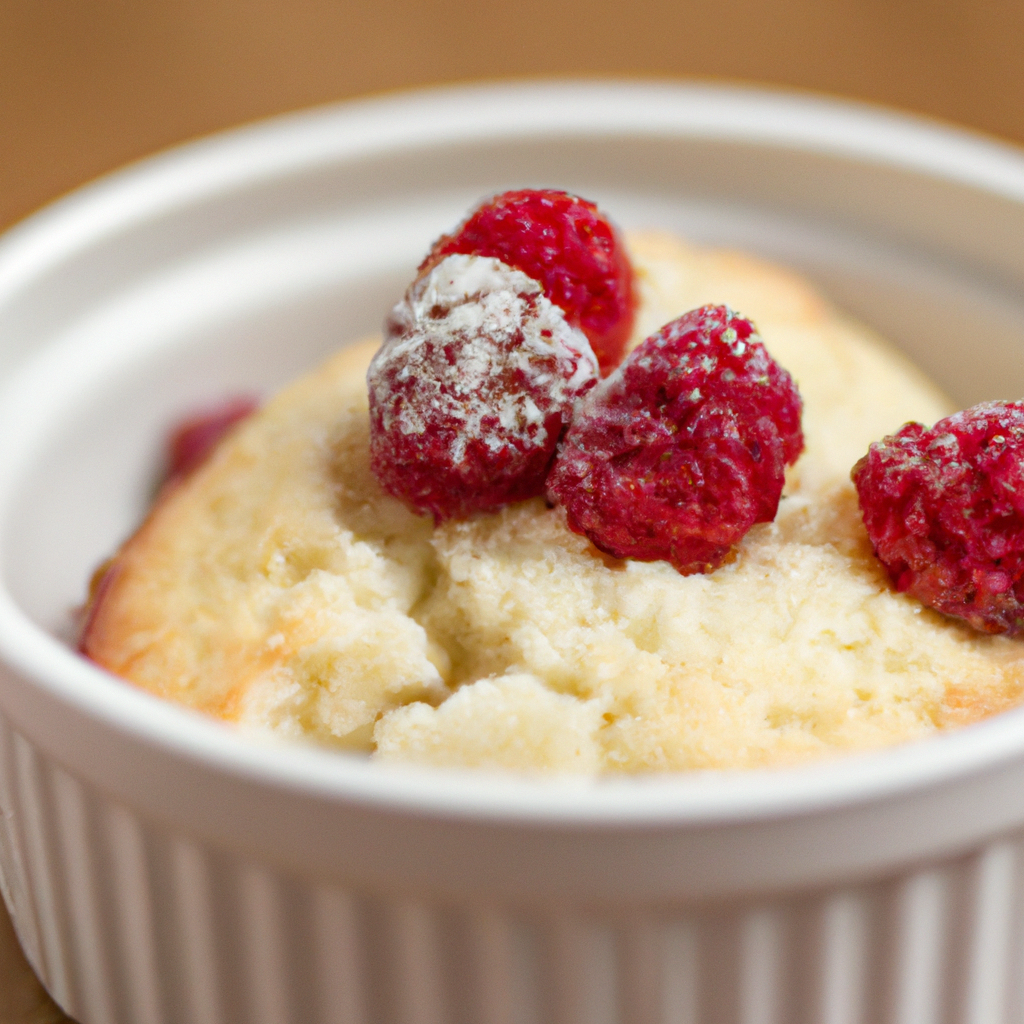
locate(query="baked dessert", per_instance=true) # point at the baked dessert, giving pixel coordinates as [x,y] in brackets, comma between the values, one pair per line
[278,586]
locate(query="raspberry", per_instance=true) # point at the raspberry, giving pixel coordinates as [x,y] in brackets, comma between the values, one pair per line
[678,453]
[469,394]
[944,509]
[193,439]
[566,244]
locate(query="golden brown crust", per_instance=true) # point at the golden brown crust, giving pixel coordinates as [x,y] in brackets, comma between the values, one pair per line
[973,700]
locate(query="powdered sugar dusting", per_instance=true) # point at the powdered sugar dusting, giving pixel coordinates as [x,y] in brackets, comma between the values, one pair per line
[480,371]
[502,325]
[567,245]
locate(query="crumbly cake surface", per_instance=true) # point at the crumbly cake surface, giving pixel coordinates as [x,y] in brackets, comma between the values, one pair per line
[280,588]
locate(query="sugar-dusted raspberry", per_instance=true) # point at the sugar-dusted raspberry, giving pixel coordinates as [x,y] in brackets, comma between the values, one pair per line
[193,439]
[474,384]
[566,244]
[944,509]
[678,453]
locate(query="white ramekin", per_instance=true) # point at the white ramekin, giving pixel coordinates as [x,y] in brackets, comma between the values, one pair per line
[162,868]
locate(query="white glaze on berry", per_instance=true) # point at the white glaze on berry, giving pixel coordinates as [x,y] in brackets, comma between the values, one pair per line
[498,320]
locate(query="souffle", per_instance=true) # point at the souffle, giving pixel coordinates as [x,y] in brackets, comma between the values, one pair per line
[605,545]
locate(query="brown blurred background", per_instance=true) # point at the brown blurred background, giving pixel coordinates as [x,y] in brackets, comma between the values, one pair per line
[86,85]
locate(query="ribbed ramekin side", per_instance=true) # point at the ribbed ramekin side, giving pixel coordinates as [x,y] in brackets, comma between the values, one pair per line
[14,884]
[38,907]
[129,922]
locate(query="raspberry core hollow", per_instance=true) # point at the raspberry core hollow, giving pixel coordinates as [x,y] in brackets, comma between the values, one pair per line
[281,588]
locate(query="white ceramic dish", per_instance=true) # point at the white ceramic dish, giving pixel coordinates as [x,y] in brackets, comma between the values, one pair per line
[161,868]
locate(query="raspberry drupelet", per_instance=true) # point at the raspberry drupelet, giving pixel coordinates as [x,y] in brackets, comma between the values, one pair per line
[944,510]
[472,388]
[566,244]
[684,448]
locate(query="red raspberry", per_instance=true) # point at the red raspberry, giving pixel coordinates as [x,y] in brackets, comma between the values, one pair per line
[684,448]
[944,509]
[193,439]
[475,382]
[566,244]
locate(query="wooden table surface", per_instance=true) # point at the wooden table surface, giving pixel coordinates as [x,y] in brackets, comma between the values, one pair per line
[22,999]
[87,85]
